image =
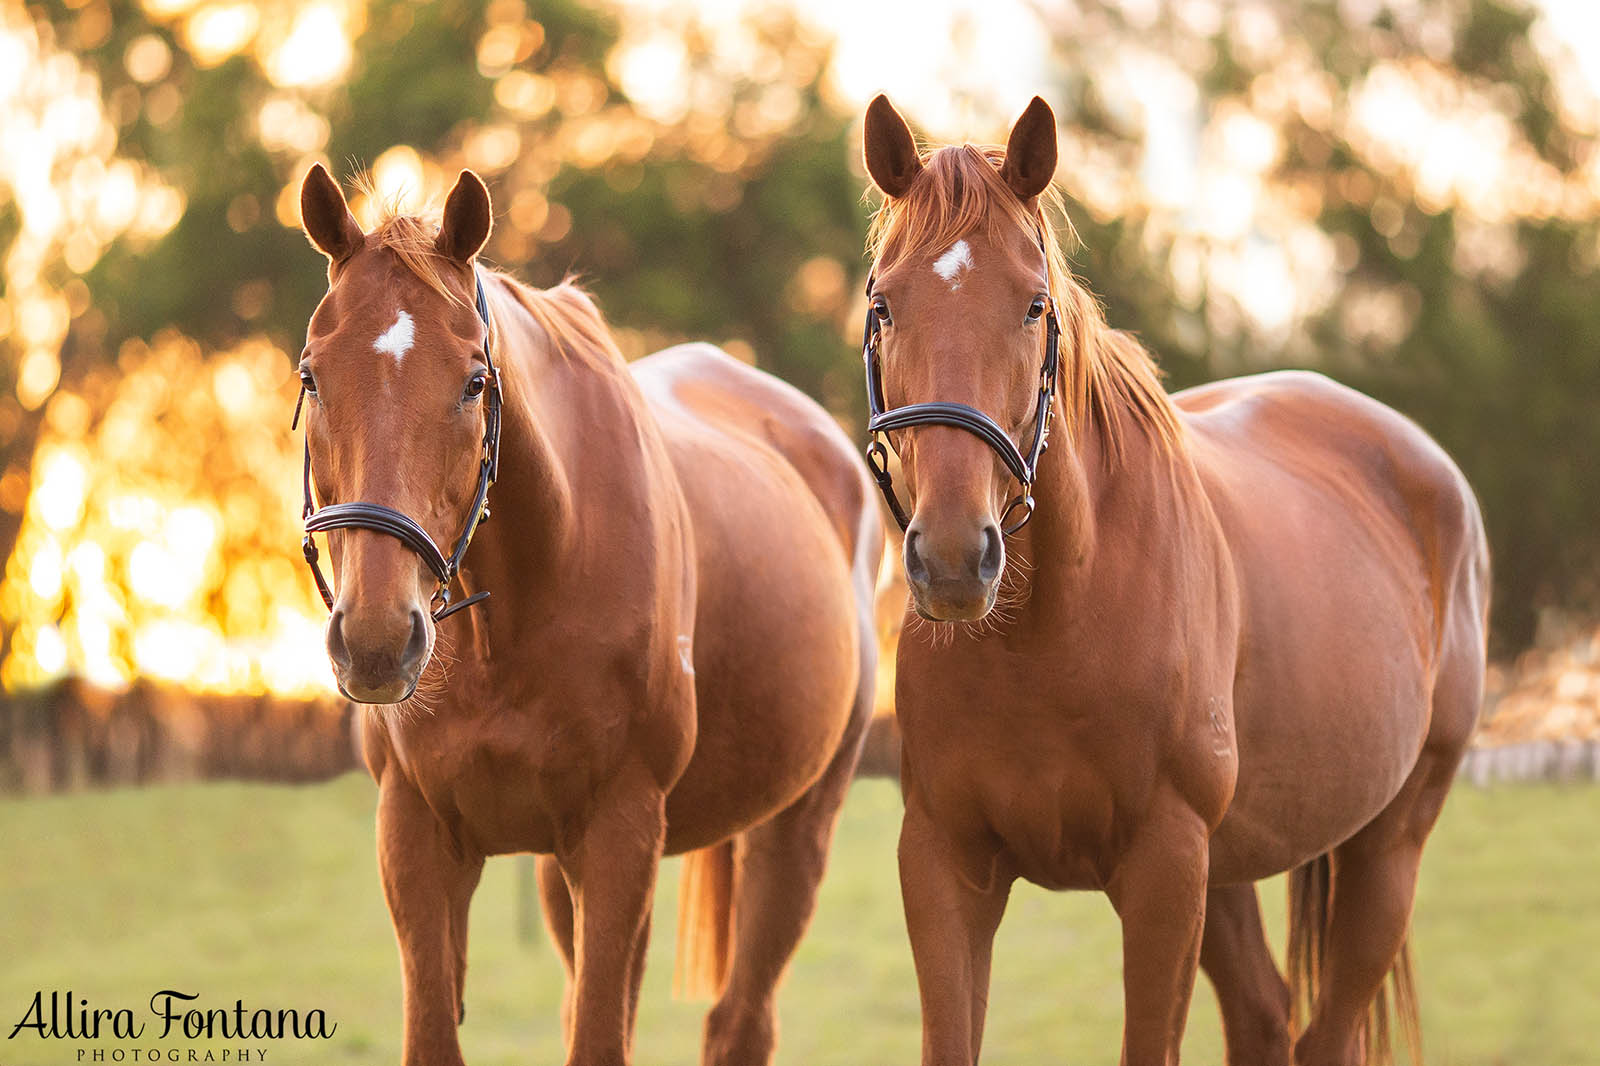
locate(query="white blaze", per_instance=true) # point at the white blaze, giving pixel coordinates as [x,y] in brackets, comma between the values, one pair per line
[950,265]
[396,340]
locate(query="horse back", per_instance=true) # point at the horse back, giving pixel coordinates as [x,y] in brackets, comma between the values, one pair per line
[1303,434]
[703,397]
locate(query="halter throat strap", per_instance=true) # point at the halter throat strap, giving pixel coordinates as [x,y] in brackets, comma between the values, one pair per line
[386,520]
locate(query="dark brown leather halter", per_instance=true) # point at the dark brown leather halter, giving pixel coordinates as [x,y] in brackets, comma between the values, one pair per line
[386,520]
[1023,466]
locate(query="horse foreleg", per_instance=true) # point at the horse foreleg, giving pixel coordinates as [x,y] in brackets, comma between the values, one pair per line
[1250,991]
[636,980]
[557,903]
[612,871]
[460,911]
[952,912]
[428,883]
[1159,892]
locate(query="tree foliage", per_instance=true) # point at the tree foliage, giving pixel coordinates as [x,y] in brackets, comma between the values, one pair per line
[735,214]
[1469,305]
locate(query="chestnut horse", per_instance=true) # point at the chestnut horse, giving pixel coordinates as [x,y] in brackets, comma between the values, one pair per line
[677,654]
[1242,634]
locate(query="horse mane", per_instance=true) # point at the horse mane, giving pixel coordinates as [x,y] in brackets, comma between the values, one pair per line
[566,313]
[960,191]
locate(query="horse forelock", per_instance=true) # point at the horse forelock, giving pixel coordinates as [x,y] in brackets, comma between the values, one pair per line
[566,313]
[410,237]
[958,192]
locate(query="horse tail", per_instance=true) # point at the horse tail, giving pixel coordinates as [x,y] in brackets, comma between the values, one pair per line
[1308,929]
[1310,892]
[705,922]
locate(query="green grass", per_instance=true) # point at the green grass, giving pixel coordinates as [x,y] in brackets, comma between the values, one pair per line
[270,894]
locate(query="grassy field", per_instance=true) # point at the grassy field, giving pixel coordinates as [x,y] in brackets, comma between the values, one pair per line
[270,895]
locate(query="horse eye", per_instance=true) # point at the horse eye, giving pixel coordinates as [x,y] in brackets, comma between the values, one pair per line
[1036,310]
[880,308]
[476,384]
[308,381]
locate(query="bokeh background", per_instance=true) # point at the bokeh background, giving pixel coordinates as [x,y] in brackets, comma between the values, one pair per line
[1404,194]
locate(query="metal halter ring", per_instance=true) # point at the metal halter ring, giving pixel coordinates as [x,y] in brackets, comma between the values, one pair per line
[1025,501]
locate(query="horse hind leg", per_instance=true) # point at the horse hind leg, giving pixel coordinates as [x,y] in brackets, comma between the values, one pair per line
[1367,905]
[556,901]
[779,867]
[1251,993]
[1363,943]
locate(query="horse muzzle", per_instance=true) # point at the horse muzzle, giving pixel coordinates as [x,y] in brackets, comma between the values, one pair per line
[378,660]
[954,578]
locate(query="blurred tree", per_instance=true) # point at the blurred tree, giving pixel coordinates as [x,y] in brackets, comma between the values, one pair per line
[1425,177]
[231,103]
[685,228]
[700,178]
[763,252]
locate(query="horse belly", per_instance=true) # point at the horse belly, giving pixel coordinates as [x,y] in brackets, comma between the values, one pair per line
[776,658]
[1330,720]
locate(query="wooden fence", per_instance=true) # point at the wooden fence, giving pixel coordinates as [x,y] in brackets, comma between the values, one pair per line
[76,735]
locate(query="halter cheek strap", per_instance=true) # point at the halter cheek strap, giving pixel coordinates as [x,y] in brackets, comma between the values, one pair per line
[1024,466]
[381,519]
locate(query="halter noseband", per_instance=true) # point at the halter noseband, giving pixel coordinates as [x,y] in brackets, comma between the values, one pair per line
[1023,467]
[386,520]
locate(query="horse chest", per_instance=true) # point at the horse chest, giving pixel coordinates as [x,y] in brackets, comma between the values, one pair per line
[507,780]
[491,802]
[1058,762]
[1035,787]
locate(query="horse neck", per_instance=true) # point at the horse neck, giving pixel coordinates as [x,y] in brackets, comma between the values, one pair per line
[580,459]
[1095,513]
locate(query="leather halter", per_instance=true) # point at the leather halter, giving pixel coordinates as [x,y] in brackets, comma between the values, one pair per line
[1023,465]
[386,520]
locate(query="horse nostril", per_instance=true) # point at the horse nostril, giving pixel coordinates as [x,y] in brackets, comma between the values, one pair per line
[337,650]
[994,554]
[916,569]
[417,645]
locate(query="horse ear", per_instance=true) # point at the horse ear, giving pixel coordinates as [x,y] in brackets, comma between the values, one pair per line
[1031,152]
[326,217]
[889,148]
[467,219]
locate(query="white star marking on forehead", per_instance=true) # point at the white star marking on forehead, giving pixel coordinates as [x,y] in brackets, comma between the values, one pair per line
[396,340]
[950,265]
